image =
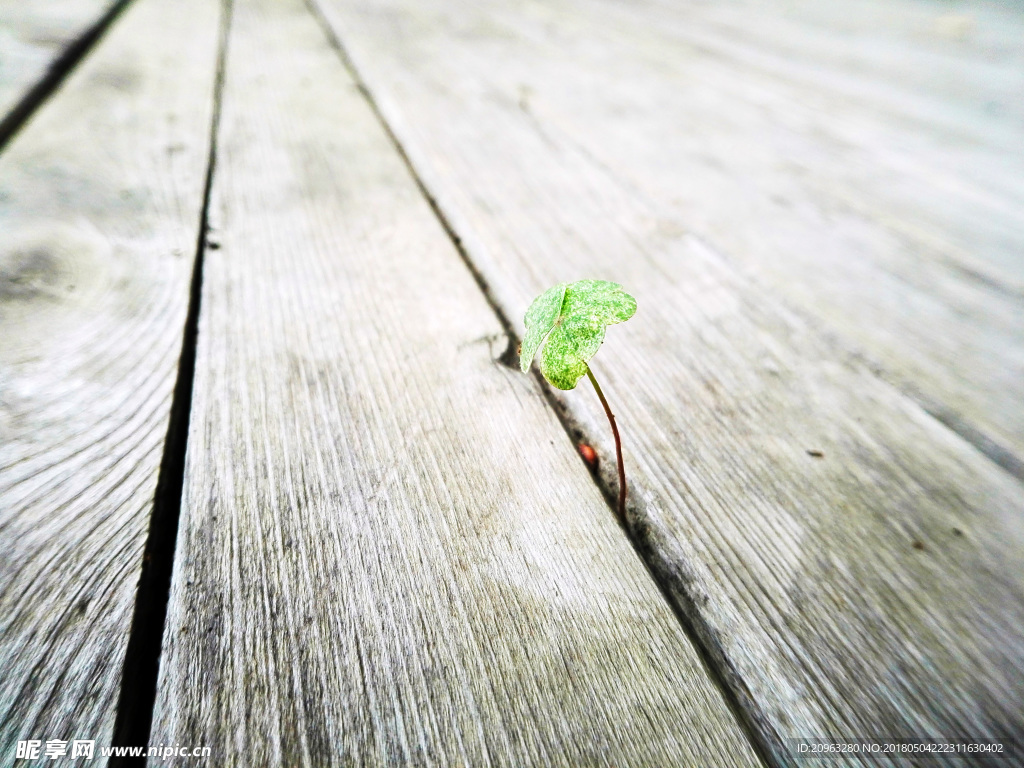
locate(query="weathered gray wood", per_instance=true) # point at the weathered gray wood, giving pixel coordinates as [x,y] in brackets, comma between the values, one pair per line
[875,590]
[854,158]
[388,551]
[100,199]
[33,35]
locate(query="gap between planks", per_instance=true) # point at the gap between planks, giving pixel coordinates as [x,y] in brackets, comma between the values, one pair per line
[141,670]
[23,109]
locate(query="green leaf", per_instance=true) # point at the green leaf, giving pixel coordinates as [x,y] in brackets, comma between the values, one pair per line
[569,320]
[540,319]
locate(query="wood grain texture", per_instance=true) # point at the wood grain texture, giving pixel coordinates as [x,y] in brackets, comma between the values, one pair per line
[33,35]
[100,200]
[872,590]
[860,160]
[389,553]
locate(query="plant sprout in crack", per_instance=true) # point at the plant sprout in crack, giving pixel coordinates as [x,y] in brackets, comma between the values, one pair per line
[569,322]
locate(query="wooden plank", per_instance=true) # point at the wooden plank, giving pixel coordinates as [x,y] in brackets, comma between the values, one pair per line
[34,36]
[851,158]
[100,199]
[389,553]
[871,588]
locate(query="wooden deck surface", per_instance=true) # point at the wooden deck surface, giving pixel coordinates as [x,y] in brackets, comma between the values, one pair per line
[263,265]
[100,199]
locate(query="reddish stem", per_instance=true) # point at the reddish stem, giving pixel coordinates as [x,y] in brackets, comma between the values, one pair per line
[618,446]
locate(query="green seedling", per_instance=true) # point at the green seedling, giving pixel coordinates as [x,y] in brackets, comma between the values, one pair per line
[569,320]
